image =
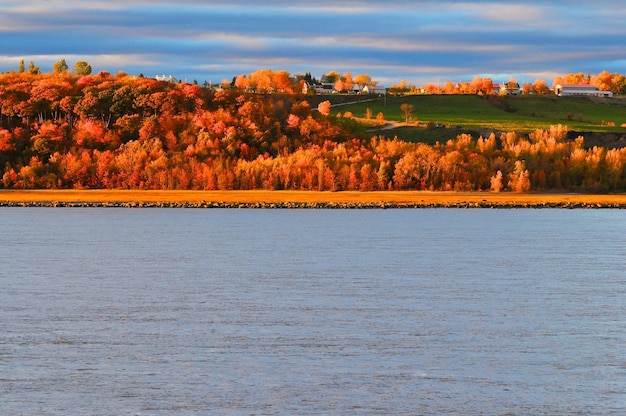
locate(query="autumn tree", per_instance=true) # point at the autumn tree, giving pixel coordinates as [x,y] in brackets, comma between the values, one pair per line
[540,87]
[519,180]
[331,77]
[348,82]
[363,80]
[407,109]
[496,182]
[603,81]
[324,107]
[478,85]
[82,68]
[339,85]
[59,67]
[32,69]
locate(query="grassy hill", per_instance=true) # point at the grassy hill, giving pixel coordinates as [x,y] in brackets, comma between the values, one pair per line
[473,114]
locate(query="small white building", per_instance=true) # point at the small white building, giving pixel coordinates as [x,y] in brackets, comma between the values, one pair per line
[564,90]
[167,78]
[325,88]
[374,90]
[510,88]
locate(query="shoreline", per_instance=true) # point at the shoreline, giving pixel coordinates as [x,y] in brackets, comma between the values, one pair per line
[303,199]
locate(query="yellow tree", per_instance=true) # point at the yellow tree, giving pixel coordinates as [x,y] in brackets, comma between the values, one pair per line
[331,77]
[362,80]
[478,85]
[488,85]
[282,81]
[348,81]
[261,80]
[519,178]
[618,83]
[540,87]
[407,109]
[59,67]
[603,81]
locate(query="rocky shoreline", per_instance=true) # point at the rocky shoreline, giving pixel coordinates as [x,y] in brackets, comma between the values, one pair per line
[314,205]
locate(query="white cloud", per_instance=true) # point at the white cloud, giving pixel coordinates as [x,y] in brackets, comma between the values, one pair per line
[388,39]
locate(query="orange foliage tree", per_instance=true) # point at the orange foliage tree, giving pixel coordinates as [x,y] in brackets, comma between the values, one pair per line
[117,131]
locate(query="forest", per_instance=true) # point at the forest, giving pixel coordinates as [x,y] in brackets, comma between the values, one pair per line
[67,130]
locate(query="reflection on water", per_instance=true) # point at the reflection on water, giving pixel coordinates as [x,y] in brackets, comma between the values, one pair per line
[456,312]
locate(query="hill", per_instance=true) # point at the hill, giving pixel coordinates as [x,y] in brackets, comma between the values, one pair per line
[123,132]
[437,115]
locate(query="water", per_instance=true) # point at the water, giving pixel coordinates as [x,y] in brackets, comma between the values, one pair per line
[306,312]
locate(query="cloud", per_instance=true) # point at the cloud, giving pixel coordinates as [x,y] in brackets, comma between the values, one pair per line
[390,40]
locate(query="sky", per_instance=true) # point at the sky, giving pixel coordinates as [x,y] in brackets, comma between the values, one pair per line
[416,41]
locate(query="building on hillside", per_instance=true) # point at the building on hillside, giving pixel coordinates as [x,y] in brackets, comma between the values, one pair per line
[563,90]
[325,88]
[166,78]
[368,89]
[510,88]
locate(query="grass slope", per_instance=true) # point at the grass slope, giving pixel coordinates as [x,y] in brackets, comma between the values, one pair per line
[472,113]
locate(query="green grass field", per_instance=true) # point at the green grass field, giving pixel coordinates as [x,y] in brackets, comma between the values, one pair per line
[472,113]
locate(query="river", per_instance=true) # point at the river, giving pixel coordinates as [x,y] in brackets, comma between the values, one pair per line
[309,312]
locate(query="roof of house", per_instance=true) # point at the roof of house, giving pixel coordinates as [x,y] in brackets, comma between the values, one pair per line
[579,86]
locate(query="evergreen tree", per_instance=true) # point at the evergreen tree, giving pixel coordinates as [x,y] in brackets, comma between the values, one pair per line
[21,68]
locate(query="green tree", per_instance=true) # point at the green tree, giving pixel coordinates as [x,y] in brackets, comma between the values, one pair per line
[331,77]
[32,69]
[21,68]
[82,68]
[59,67]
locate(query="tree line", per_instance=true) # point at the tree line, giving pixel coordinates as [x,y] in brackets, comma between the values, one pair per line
[604,81]
[63,130]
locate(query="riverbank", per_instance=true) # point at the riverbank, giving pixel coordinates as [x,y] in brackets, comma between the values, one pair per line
[302,199]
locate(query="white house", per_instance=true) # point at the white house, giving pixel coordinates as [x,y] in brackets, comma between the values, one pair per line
[325,88]
[510,88]
[374,90]
[563,90]
[168,78]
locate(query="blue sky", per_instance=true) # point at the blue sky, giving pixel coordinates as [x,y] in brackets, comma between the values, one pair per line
[418,41]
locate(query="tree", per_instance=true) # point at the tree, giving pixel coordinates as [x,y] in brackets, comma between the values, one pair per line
[331,77]
[407,109]
[82,68]
[60,67]
[241,82]
[488,85]
[496,182]
[541,87]
[21,68]
[603,81]
[339,85]
[362,80]
[519,178]
[348,81]
[324,107]
[32,69]
[478,85]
